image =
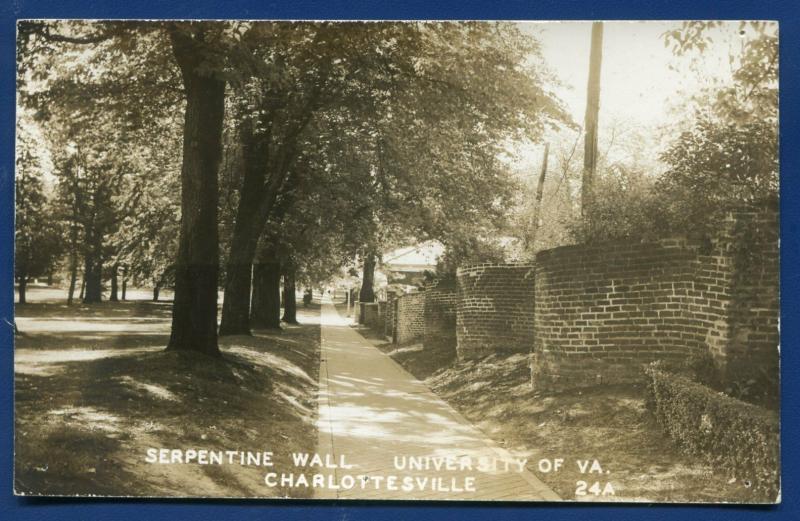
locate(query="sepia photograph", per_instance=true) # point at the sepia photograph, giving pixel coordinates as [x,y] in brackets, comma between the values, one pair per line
[512,261]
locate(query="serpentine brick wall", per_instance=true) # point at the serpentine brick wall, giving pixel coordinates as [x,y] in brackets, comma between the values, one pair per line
[602,311]
[388,319]
[495,310]
[440,320]
[409,319]
[370,313]
[748,241]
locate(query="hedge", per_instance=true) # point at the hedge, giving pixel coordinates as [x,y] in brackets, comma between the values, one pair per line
[732,435]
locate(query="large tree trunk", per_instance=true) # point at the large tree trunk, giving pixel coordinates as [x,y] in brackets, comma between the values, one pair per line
[265,177]
[367,293]
[238,283]
[194,309]
[93,280]
[114,297]
[266,308]
[289,296]
[156,291]
[236,305]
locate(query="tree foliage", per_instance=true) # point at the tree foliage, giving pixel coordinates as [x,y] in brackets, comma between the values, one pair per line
[37,238]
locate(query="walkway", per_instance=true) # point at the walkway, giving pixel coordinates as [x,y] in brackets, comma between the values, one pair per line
[377,416]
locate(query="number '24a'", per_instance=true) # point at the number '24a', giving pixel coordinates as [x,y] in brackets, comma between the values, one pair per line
[583,488]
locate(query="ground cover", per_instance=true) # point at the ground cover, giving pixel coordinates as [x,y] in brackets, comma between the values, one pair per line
[95,389]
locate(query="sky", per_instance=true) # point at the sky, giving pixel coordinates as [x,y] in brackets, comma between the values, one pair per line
[642,82]
[636,80]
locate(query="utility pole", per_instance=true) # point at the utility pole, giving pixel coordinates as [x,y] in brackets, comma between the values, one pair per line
[539,191]
[590,122]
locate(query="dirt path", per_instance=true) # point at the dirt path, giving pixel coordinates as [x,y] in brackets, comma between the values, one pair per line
[377,416]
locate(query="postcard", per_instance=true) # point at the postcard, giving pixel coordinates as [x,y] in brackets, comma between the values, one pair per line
[408,260]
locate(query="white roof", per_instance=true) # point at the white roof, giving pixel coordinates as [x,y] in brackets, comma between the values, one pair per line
[423,254]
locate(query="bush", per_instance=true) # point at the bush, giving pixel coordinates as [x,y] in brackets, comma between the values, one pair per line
[734,436]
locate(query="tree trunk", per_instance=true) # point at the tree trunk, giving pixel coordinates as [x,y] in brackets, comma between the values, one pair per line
[156,291]
[266,309]
[50,276]
[236,305]
[590,122]
[124,283]
[114,284]
[238,283]
[73,277]
[289,297]
[73,258]
[83,286]
[93,281]
[367,293]
[194,308]
[23,287]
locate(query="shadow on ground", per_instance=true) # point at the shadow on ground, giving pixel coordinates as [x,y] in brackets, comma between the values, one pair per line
[95,389]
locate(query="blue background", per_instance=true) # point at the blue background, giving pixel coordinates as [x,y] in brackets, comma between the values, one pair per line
[787,12]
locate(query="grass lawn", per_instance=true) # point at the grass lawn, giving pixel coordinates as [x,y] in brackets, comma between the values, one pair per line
[95,389]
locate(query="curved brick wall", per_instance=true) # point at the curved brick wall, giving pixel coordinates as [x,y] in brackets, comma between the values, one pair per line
[602,311]
[409,320]
[440,320]
[495,310]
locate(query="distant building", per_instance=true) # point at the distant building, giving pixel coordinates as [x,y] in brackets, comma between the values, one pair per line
[407,266]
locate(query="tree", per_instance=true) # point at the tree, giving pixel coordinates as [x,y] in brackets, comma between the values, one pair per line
[37,240]
[729,155]
[194,310]
[204,53]
[416,128]
[89,118]
[749,90]
[88,181]
[273,113]
[408,128]
[713,167]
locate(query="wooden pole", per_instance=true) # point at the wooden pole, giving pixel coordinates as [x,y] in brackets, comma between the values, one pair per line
[539,192]
[590,122]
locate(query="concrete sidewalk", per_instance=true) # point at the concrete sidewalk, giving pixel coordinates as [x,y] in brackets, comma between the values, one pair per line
[376,416]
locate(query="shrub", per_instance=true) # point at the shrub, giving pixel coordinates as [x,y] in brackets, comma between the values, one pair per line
[734,436]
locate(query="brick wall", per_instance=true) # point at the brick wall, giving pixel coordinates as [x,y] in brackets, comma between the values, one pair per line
[373,314]
[409,319]
[495,309]
[749,243]
[388,319]
[440,320]
[602,311]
